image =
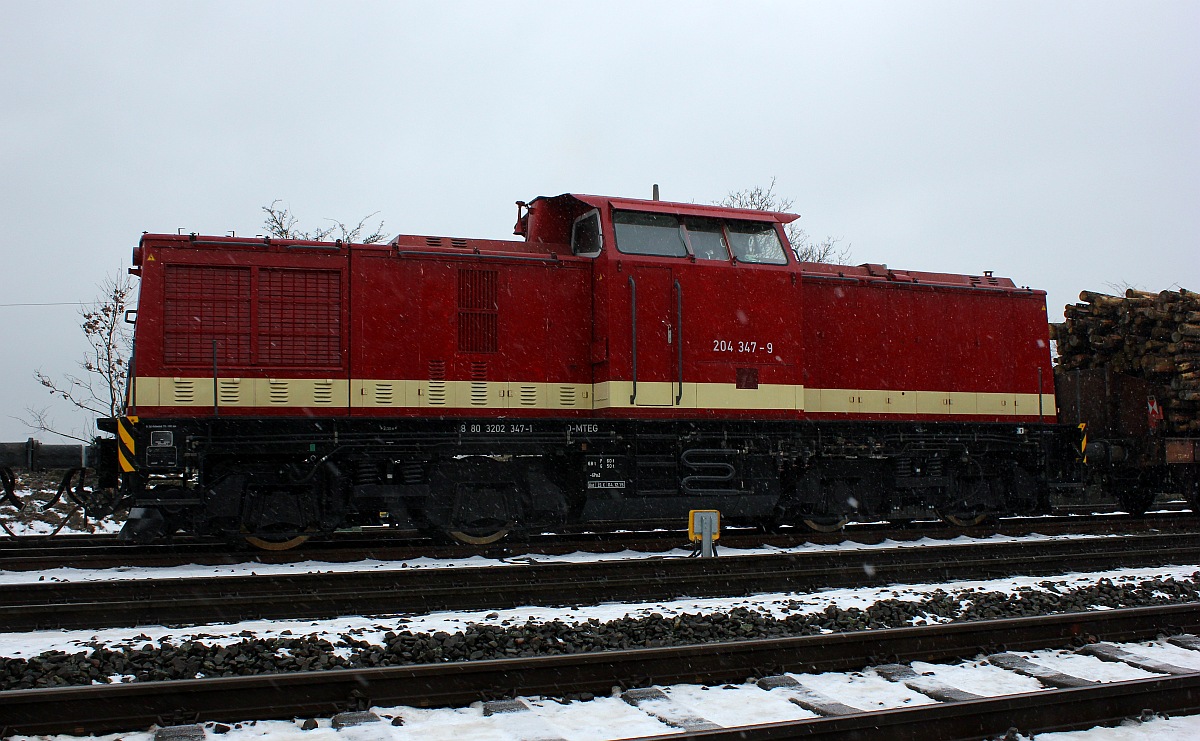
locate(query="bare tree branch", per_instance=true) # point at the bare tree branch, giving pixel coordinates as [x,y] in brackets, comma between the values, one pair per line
[281,223]
[757,198]
[100,390]
[39,419]
[828,250]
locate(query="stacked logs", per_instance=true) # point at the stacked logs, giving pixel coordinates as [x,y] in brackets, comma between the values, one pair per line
[1155,336]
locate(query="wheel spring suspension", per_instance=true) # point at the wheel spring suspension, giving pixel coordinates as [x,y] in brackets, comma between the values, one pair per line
[365,473]
[411,472]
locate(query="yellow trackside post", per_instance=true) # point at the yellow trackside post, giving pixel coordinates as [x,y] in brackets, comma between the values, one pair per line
[704,526]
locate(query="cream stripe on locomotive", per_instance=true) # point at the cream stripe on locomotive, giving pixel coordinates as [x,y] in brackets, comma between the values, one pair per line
[385,394]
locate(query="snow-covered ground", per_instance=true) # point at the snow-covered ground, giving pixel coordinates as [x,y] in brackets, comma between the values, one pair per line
[260,569]
[611,717]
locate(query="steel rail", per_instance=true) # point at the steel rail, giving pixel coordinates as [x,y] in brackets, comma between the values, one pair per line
[121,707]
[39,553]
[131,602]
[1032,712]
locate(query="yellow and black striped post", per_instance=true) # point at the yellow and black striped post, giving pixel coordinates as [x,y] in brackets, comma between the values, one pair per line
[126,447]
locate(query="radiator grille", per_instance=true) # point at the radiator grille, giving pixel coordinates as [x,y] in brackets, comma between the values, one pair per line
[256,316]
[202,305]
[298,317]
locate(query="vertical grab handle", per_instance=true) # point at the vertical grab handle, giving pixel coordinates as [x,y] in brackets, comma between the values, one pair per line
[216,389]
[633,314]
[679,337]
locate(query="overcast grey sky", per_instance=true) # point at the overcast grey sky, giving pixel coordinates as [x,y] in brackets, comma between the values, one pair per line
[1057,143]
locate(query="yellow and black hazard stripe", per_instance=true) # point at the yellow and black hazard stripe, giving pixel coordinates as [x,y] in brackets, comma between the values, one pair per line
[126,445]
[1083,440]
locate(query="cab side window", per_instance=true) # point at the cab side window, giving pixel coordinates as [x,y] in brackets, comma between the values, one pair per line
[586,240]
[753,241]
[649,234]
[706,238]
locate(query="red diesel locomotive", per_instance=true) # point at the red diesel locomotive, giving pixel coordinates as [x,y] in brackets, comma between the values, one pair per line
[626,361]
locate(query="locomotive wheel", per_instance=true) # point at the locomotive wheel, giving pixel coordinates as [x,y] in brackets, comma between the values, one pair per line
[265,544]
[274,542]
[482,533]
[828,524]
[965,519]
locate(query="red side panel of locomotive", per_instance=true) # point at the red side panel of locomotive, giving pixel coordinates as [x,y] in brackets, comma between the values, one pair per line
[451,333]
[926,345]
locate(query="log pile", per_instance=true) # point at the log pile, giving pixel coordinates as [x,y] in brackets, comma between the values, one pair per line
[1155,336]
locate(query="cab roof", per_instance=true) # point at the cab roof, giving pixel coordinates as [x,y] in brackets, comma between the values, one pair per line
[680,209]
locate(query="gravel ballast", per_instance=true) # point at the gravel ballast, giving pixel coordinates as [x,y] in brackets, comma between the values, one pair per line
[255,655]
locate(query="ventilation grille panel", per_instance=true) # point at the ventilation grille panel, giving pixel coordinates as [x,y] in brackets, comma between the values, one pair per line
[478,311]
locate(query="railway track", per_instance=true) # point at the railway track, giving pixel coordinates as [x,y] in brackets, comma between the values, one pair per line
[121,707]
[96,552]
[132,602]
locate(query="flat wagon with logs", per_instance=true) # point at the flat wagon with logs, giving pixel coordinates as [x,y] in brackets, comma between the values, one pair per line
[1128,371]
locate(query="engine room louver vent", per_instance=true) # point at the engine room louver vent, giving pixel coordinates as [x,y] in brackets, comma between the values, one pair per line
[566,396]
[229,391]
[323,392]
[477,311]
[183,391]
[528,396]
[277,391]
[460,243]
[433,241]
[437,383]
[385,394]
[479,387]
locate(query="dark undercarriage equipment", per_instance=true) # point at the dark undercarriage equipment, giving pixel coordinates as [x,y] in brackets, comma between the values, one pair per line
[477,480]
